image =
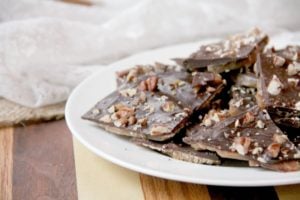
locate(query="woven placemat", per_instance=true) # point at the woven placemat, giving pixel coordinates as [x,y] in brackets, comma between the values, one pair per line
[15,114]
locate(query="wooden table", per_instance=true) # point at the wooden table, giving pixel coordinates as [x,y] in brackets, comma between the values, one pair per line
[37,162]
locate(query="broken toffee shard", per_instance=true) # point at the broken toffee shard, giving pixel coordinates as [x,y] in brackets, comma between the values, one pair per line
[279,85]
[142,114]
[251,136]
[136,74]
[235,52]
[178,152]
[164,101]
[193,91]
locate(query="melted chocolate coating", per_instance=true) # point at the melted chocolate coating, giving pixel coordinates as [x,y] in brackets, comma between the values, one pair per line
[236,52]
[222,138]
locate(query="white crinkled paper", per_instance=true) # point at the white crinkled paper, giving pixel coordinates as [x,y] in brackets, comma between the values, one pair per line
[48,47]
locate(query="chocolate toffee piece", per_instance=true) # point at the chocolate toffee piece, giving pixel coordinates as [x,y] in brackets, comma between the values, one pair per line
[251,135]
[279,87]
[133,75]
[235,52]
[213,117]
[290,53]
[242,99]
[192,91]
[181,153]
[142,114]
[283,166]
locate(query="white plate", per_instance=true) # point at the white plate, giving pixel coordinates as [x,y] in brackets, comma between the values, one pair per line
[122,152]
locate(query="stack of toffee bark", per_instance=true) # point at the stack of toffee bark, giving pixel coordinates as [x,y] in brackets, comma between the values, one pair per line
[235,99]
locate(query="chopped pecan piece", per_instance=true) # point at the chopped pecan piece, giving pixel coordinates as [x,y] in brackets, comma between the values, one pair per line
[278,61]
[248,118]
[168,106]
[273,149]
[150,84]
[241,145]
[106,119]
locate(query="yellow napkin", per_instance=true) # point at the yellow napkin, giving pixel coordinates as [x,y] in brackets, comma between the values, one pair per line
[100,179]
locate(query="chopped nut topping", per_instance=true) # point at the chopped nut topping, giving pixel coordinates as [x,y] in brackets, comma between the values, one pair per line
[209,49]
[111,109]
[159,130]
[238,103]
[207,122]
[248,118]
[293,81]
[257,150]
[142,97]
[293,68]
[261,159]
[210,89]
[260,124]
[120,106]
[215,117]
[237,123]
[278,61]
[142,122]
[179,83]
[226,135]
[125,113]
[297,105]
[181,115]
[297,155]
[150,84]
[114,116]
[275,86]
[196,89]
[168,106]
[176,84]
[241,145]
[95,111]
[132,75]
[105,118]
[143,86]
[150,109]
[278,138]
[163,98]
[273,150]
[128,92]
[131,120]
[121,122]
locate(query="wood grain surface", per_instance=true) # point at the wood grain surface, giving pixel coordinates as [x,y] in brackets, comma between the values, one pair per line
[6,163]
[37,162]
[157,188]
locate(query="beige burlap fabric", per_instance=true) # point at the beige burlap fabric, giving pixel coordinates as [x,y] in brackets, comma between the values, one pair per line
[14,114]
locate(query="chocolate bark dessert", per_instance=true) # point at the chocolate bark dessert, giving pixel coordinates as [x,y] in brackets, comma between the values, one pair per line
[251,136]
[136,113]
[279,85]
[235,52]
[229,100]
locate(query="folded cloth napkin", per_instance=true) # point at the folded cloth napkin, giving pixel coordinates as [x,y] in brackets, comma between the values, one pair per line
[48,47]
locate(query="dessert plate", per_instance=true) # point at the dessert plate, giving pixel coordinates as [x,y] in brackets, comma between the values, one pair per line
[121,151]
